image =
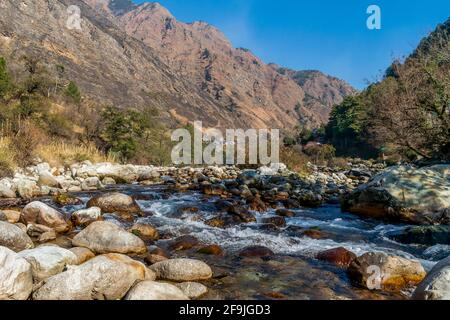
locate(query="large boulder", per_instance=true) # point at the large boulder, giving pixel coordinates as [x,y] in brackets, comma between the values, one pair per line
[39,213]
[16,278]
[106,237]
[47,179]
[119,203]
[47,261]
[181,270]
[28,189]
[404,193]
[436,285]
[151,290]
[106,277]
[13,237]
[82,254]
[375,270]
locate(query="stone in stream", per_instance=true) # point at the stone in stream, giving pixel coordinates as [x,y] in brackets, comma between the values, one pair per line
[285,213]
[47,261]
[47,179]
[16,278]
[277,221]
[119,203]
[340,257]
[181,270]
[242,213]
[193,290]
[394,273]
[106,277]
[183,243]
[426,235]
[106,237]
[213,249]
[14,238]
[152,290]
[256,252]
[86,216]
[404,193]
[66,200]
[144,231]
[39,213]
[436,285]
[153,258]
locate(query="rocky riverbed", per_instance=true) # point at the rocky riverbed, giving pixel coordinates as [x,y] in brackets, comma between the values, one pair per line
[106,231]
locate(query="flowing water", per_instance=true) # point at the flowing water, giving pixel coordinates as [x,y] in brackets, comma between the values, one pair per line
[293,273]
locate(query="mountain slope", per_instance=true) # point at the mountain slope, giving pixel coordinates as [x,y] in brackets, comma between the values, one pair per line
[136,56]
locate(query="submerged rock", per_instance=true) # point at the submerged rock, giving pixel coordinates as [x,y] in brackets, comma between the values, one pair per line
[14,238]
[213,249]
[181,270]
[339,256]
[16,278]
[256,251]
[106,237]
[436,285]
[183,243]
[404,193]
[151,290]
[426,235]
[381,271]
[106,277]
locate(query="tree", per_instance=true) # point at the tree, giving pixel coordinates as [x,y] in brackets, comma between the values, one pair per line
[5,80]
[73,92]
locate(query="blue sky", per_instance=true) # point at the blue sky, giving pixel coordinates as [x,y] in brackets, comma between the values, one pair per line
[330,36]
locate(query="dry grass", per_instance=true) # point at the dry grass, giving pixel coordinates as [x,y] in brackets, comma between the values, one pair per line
[295,160]
[7,157]
[61,153]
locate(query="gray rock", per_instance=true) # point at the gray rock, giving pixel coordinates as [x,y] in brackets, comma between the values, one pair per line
[16,279]
[47,179]
[86,216]
[47,261]
[14,238]
[150,290]
[182,270]
[436,285]
[106,237]
[193,290]
[106,277]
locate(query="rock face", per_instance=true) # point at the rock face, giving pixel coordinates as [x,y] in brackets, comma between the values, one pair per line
[16,279]
[106,277]
[436,285]
[39,213]
[181,270]
[380,271]
[106,237]
[151,290]
[403,193]
[47,261]
[14,238]
[116,203]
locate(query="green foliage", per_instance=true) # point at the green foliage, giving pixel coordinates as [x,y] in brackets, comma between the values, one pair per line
[320,153]
[5,80]
[73,92]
